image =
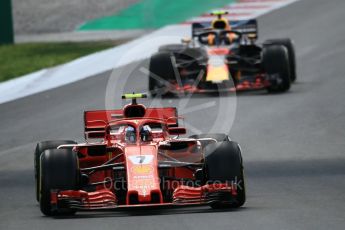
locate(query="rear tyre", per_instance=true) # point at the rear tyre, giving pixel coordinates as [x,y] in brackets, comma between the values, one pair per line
[59,170]
[276,64]
[40,147]
[223,163]
[161,73]
[291,53]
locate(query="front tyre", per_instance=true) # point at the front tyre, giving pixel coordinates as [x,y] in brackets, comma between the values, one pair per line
[59,171]
[276,64]
[40,148]
[288,44]
[223,164]
[161,73]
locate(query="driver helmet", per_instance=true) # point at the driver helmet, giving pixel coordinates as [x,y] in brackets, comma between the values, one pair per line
[130,135]
[220,24]
[146,133]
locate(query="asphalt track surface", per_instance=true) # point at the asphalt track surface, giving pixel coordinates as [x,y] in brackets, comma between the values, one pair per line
[293,144]
[48,16]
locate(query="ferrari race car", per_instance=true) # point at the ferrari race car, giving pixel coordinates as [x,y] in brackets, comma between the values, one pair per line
[223,56]
[135,157]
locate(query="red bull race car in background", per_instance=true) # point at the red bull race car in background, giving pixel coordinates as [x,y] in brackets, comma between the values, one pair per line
[135,157]
[223,56]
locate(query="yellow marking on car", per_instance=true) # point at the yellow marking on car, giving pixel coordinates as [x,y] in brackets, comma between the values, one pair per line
[217,73]
[142,169]
[133,95]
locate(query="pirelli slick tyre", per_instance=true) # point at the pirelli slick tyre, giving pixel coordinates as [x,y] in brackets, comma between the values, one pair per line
[40,148]
[291,53]
[161,72]
[58,171]
[223,164]
[276,64]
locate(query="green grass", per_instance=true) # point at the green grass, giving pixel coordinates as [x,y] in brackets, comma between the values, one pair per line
[21,59]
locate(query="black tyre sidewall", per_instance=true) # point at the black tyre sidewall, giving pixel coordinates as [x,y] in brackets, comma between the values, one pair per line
[291,53]
[58,170]
[223,163]
[276,61]
[40,148]
[160,65]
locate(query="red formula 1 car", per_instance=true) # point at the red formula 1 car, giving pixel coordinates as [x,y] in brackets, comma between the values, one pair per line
[136,158]
[223,57]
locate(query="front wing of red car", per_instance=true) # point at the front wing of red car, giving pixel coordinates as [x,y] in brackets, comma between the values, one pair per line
[105,199]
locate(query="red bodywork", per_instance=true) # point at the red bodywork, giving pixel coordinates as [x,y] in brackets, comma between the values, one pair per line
[118,173]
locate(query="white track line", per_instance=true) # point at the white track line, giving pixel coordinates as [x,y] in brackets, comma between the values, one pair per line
[124,54]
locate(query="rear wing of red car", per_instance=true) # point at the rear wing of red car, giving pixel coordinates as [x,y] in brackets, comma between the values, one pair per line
[248,27]
[98,119]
